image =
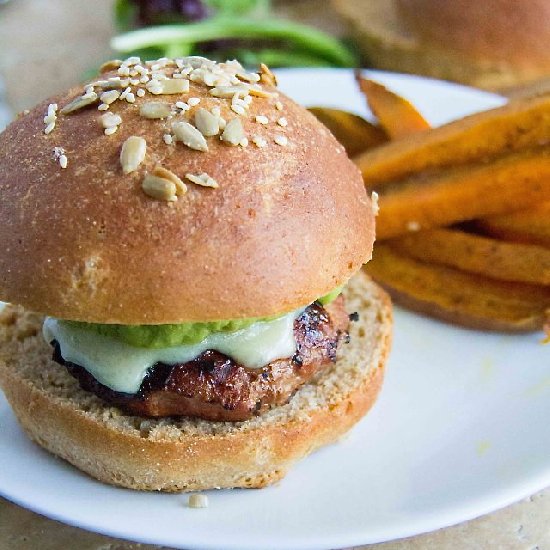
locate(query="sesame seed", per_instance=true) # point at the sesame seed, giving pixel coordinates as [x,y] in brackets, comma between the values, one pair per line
[192,101]
[131,98]
[259,141]
[243,142]
[168,139]
[140,92]
[182,105]
[262,119]
[125,93]
[110,131]
[110,120]
[50,118]
[60,156]
[134,60]
[281,140]
[239,109]
[279,106]
[282,122]
[103,107]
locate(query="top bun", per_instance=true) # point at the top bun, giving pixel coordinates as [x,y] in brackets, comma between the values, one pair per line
[289,222]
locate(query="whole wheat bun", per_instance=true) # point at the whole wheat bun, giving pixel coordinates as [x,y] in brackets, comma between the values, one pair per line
[190,454]
[492,44]
[287,224]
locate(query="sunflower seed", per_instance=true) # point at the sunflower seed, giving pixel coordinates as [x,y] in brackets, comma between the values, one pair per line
[258,92]
[110,65]
[248,77]
[189,135]
[207,123]
[159,188]
[203,180]
[132,153]
[79,103]
[197,501]
[266,76]
[109,97]
[168,87]
[229,91]
[234,132]
[163,173]
[154,109]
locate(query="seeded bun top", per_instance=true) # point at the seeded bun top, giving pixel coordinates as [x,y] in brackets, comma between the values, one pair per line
[192,222]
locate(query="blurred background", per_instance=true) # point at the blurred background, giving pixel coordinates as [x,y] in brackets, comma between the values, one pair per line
[47,45]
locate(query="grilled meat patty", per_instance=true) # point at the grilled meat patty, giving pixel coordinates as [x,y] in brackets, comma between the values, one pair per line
[214,387]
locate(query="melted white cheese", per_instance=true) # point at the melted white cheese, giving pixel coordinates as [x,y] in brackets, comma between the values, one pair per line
[123,367]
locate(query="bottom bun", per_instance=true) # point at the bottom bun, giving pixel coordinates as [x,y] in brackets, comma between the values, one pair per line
[187,454]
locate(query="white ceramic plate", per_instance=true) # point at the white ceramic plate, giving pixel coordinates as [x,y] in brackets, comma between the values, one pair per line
[461,427]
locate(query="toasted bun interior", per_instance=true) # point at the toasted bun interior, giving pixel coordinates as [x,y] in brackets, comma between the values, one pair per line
[289,222]
[190,454]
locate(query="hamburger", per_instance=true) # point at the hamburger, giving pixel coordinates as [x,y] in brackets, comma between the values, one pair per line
[494,44]
[182,254]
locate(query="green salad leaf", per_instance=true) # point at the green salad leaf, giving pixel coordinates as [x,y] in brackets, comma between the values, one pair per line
[244,29]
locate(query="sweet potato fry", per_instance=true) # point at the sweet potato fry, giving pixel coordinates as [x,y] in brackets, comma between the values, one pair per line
[475,254]
[354,132]
[515,181]
[518,125]
[458,297]
[396,115]
[527,226]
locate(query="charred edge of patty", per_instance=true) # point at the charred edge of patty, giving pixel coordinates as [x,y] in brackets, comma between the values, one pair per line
[215,387]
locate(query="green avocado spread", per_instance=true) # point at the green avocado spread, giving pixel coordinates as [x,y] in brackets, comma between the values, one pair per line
[166,336]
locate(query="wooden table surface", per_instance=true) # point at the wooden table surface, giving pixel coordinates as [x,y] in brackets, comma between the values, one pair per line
[45,45]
